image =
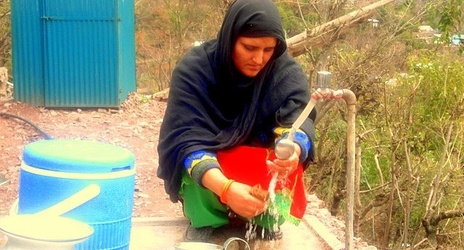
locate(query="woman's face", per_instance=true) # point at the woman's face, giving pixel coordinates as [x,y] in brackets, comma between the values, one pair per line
[251,54]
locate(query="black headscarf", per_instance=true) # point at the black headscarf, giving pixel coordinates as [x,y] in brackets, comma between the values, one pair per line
[212,106]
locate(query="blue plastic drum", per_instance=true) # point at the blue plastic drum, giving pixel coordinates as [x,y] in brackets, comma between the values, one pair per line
[89,181]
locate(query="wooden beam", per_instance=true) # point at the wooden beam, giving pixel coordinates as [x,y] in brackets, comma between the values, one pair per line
[317,36]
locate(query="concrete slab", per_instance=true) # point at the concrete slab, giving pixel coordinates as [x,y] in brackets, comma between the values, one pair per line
[164,233]
[156,233]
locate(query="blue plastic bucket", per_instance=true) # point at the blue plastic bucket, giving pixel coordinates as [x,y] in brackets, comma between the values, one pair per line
[58,172]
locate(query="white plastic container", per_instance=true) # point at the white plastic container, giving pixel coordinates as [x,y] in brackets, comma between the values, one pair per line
[26,232]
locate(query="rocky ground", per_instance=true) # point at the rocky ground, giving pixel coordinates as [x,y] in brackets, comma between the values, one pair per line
[134,126]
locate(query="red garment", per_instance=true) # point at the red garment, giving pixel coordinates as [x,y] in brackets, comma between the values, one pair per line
[248,165]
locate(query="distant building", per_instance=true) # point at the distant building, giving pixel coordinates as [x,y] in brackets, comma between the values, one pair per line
[425,28]
[426,32]
[457,39]
[374,22]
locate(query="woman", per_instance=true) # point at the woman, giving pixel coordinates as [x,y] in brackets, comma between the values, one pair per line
[230,99]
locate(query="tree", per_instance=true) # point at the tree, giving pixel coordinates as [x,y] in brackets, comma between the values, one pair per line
[397,161]
[450,19]
[5,34]
[165,30]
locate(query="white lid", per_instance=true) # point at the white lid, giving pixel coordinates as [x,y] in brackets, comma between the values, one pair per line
[45,228]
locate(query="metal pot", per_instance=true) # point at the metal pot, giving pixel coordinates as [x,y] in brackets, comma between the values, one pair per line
[233,243]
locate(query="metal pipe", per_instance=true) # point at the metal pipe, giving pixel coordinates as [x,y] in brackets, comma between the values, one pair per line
[284,150]
[323,82]
[350,99]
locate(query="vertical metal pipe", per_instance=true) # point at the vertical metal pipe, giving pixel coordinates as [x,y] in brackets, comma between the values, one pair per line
[323,85]
[350,99]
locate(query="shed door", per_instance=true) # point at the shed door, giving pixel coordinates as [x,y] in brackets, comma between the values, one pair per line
[80,54]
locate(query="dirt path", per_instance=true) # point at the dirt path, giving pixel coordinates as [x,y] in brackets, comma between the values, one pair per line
[134,126]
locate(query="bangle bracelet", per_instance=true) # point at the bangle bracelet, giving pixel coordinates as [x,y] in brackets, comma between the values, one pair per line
[224,191]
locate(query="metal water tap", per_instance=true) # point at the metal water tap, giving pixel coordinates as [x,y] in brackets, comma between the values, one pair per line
[285,147]
[323,81]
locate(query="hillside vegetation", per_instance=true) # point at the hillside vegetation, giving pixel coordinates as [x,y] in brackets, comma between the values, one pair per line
[409,123]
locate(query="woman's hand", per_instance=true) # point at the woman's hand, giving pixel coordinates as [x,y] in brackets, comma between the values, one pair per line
[237,196]
[284,167]
[240,200]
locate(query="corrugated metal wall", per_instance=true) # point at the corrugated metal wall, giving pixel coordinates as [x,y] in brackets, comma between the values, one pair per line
[27,52]
[83,50]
